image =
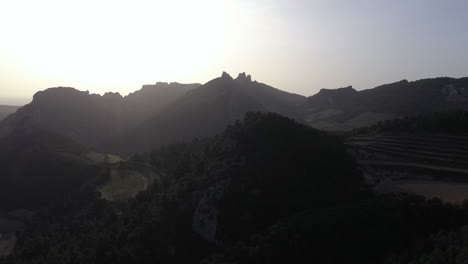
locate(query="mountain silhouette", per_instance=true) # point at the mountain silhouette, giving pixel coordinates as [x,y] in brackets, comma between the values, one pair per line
[346,108]
[91,119]
[207,110]
[41,155]
[157,114]
[165,113]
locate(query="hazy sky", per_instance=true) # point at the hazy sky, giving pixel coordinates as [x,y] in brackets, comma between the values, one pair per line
[299,46]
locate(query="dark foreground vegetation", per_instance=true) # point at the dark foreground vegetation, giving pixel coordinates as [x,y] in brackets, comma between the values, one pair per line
[38,167]
[267,190]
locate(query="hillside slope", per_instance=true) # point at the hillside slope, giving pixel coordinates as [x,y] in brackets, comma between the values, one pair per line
[207,110]
[6,110]
[155,115]
[91,119]
[209,193]
[345,109]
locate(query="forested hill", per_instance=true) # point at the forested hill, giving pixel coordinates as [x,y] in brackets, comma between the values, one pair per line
[166,113]
[209,193]
[266,190]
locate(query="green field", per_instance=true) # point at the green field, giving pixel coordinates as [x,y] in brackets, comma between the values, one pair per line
[123,184]
[96,157]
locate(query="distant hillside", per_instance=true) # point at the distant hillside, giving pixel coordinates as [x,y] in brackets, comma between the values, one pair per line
[151,99]
[207,110]
[157,114]
[165,113]
[91,119]
[345,109]
[6,110]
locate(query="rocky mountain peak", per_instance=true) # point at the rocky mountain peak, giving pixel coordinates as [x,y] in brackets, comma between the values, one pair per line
[225,75]
[244,78]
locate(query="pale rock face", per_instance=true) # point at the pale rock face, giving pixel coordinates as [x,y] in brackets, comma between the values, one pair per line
[453,95]
[205,219]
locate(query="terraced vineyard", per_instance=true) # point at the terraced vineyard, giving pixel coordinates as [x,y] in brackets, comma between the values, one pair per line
[432,165]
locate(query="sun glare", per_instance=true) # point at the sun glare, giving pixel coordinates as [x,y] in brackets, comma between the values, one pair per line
[92,42]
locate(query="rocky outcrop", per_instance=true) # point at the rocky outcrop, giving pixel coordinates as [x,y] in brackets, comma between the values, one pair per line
[225,75]
[242,77]
[205,219]
[453,94]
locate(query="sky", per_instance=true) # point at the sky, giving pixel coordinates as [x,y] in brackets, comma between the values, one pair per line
[298,46]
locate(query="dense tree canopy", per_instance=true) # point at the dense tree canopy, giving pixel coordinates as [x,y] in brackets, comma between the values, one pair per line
[267,190]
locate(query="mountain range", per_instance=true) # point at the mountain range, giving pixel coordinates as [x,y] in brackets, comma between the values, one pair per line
[91,119]
[345,109]
[155,115]
[207,110]
[171,112]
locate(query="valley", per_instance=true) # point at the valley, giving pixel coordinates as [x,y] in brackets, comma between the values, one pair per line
[227,171]
[234,132]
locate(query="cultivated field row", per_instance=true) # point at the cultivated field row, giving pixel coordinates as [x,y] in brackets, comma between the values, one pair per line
[432,165]
[436,150]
